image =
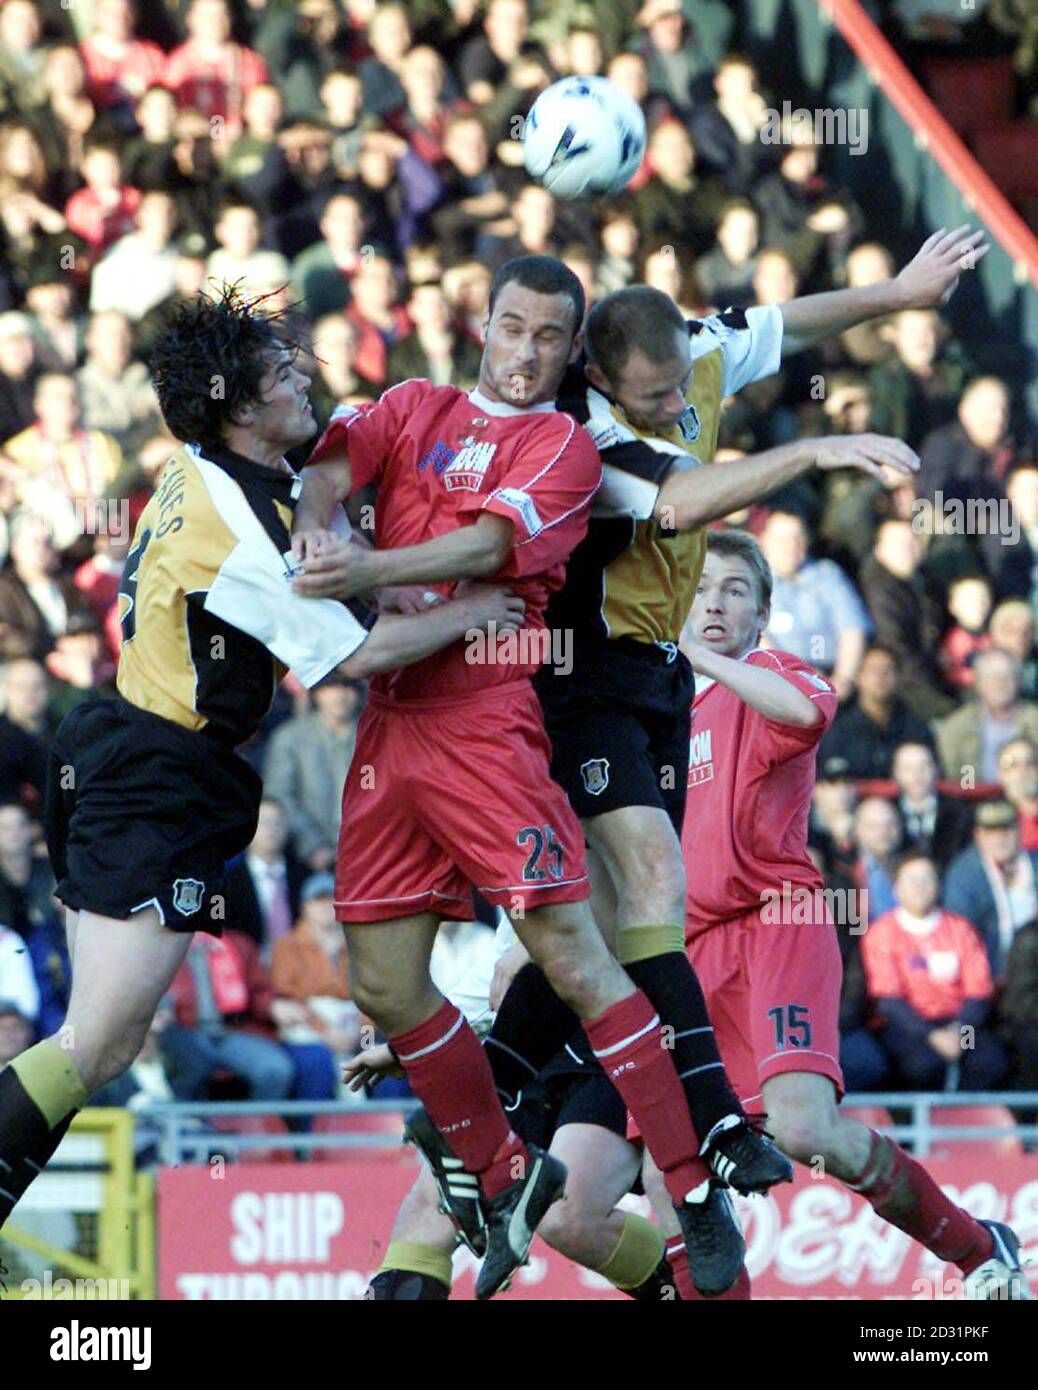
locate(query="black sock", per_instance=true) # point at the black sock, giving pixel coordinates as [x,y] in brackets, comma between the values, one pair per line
[674,990]
[405,1286]
[532,1024]
[660,1287]
[26,1140]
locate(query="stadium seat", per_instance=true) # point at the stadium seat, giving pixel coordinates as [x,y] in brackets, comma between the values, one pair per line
[389,1123]
[255,1124]
[872,1115]
[979,1115]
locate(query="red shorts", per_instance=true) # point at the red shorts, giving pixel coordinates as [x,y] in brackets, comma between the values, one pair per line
[773,992]
[446,795]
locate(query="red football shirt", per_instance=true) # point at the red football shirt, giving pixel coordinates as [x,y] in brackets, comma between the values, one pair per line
[749,793]
[440,456]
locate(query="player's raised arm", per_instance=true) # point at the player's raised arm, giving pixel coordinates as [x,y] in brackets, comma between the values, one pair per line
[342,571]
[691,497]
[765,691]
[928,279]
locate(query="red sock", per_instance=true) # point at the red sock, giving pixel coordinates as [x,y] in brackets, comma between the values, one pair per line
[449,1073]
[626,1039]
[677,1258]
[901,1191]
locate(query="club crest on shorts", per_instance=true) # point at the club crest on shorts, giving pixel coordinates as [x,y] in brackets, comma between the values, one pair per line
[595,773]
[187,895]
[689,424]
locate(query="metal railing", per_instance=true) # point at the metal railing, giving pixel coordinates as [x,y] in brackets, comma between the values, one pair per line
[185,1137]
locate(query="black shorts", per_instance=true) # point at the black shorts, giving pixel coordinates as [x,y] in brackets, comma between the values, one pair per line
[143,813]
[571,1090]
[619,725]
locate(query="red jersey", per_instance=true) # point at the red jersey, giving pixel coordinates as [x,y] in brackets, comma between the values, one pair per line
[749,793]
[440,456]
[935,964]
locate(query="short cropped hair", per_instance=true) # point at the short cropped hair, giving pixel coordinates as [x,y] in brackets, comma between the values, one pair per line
[543,275]
[637,317]
[742,545]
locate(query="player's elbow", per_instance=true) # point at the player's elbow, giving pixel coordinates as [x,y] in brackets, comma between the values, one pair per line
[372,657]
[490,546]
[676,513]
[805,715]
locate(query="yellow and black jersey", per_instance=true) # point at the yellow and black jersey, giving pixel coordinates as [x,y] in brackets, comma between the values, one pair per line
[630,577]
[209,620]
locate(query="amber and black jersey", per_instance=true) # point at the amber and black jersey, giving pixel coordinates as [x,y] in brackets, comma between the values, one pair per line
[209,620]
[631,577]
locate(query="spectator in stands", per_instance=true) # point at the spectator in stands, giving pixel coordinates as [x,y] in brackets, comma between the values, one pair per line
[801,211]
[380,321]
[667,269]
[120,67]
[1018,1008]
[389,37]
[336,342]
[210,72]
[23,759]
[727,132]
[725,273]
[969,603]
[26,697]
[1011,629]
[877,836]
[26,880]
[619,241]
[115,390]
[306,765]
[37,601]
[17,982]
[994,883]
[300,43]
[1013,565]
[225,1018]
[249,156]
[972,736]
[673,63]
[399,189]
[467,287]
[775,277]
[311,969]
[263,886]
[106,208]
[472,200]
[815,612]
[937,825]
[868,264]
[188,278]
[21,55]
[971,456]
[534,218]
[18,374]
[929,976]
[149,162]
[58,455]
[831,831]
[321,274]
[1018,778]
[239,255]
[677,205]
[79,666]
[433,350]
[915,391]
[869,729]
[30,233]
[907,619]
[57,326]
[140,269]
[342,104]
[485,60]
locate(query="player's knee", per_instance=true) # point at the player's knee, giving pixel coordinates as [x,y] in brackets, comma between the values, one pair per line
[652,876]
[802,1133]
[565,1227]
[102,1058]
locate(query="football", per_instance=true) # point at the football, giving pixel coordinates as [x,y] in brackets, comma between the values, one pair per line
[583,137]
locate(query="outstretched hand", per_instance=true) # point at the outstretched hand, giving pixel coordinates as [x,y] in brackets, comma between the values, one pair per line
[931,276]
[882,457]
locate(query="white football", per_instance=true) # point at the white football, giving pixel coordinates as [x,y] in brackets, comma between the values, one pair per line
[583,137]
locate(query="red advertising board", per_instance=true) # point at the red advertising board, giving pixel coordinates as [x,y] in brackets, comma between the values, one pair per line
[319,1230]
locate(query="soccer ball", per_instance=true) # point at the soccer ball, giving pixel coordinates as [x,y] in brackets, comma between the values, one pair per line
[583,136]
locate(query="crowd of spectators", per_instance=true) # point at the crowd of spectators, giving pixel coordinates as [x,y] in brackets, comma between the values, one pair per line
[360,164]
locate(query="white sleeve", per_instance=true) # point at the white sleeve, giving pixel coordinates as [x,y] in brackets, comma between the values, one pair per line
[252,592]
[751,342]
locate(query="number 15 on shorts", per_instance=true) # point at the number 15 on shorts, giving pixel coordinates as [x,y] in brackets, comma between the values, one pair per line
[792,1025]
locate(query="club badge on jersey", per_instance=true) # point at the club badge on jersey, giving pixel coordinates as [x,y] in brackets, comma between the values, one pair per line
[690,424]
[188,894]
[595,773]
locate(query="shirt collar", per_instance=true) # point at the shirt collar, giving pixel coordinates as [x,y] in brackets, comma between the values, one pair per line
[484,403]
